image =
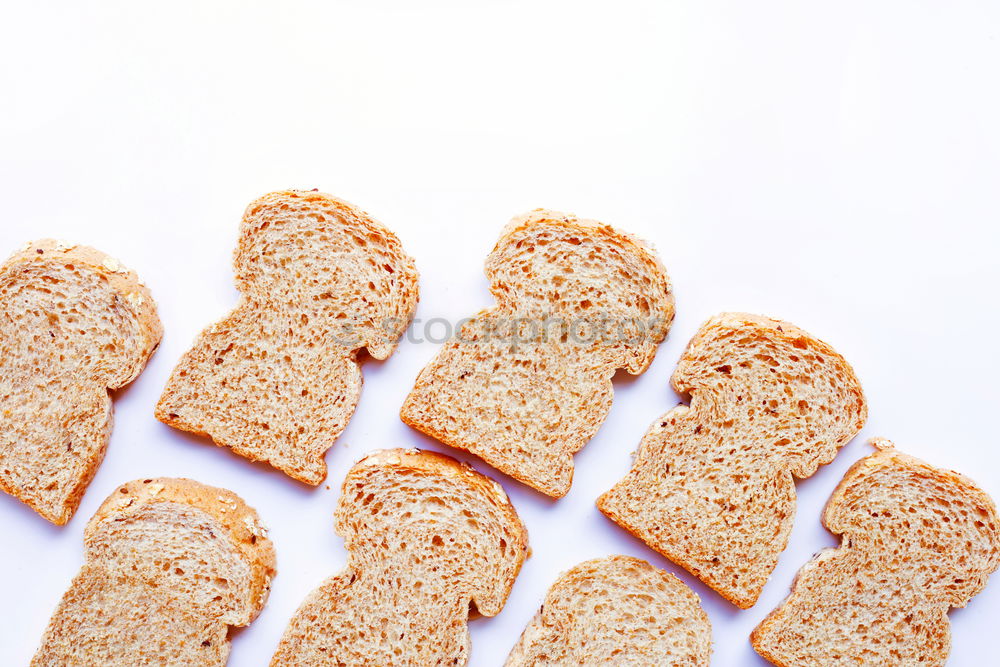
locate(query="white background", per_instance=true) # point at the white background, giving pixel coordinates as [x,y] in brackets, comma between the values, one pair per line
[833,164]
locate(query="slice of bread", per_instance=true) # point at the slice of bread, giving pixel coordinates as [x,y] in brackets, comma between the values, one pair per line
[278,378]
[525,384]
[426,537]
[712,484]
[75,324]
[170,565]
[915,541]
[616,611]
[104,621]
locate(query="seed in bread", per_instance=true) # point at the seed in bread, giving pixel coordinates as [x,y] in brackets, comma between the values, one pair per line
[712,486]
[426,537]
[170,565]
[527,383]
[915,541]
[278,378]
[616,610]
[76,324]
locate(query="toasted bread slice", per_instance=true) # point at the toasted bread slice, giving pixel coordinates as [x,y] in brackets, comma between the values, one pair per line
[527,383]
[712,485]
[170,565]
[278,379]
[426,537]
[616,611]
[915,541]
[75,324]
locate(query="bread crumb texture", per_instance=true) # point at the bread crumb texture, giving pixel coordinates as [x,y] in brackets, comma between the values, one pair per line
[429,540]
[915,541]
[170,565]
[75,324]
[525,384]
[616,611]
[712,485]
[278,378]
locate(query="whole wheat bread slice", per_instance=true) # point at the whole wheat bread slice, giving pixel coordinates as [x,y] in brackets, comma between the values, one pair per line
[915,541]
[170,565]
[426,538]
[75,323]
[278,378]
[616,611]
[712,486]
[527,383]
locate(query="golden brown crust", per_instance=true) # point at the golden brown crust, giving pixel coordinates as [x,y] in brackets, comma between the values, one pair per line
[887,456]
[433,463]
[170,566]
[628,243]
[124,281]
[799,338]
[408,280]
[245,530]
